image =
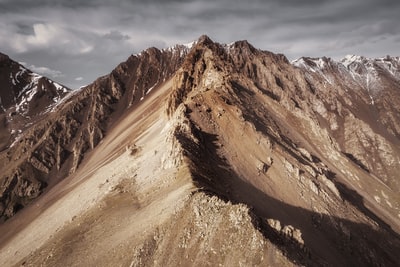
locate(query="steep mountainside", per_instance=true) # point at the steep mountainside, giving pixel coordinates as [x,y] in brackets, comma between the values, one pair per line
[52,148]
[209,154]
[360,103]
[24,97]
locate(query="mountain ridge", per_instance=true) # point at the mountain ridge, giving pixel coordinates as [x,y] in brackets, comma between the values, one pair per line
[198,144]
[25,96]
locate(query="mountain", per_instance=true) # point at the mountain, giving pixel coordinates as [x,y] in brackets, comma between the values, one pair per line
[360,107]
[25,97]
[210,154]
[53,147]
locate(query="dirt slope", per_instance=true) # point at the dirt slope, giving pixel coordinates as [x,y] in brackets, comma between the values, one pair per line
[216,155]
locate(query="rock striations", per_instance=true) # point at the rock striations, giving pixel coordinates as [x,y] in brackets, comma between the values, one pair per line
[204,155]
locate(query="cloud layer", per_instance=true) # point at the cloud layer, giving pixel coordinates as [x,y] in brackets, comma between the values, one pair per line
[78,41]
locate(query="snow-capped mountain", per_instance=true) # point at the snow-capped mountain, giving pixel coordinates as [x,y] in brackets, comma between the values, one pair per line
[25,96]
[366,72]
[361,65]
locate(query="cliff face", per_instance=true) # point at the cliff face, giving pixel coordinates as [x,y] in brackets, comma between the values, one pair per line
[210,154]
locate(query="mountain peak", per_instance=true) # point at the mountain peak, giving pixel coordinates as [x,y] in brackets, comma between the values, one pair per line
[353,58]
[25,96]
[204,39]
[193,149]
[349,59]
[244,43]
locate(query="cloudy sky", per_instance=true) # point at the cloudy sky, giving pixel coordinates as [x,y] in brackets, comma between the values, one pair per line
[74,41]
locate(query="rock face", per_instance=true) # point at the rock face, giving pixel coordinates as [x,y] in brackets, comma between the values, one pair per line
[26,98]
[210,154]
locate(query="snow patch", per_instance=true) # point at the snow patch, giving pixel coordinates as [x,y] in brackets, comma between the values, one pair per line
[372,100]
[60,100]
[29,91]
[350,59]
[190,45]
[17,138]
[15,79]
[59,87]
[151,88]
[183,50]
[12,79]
[366,71]
[360,70]
[315,65]
[320,63]
[299,63]
[229,47]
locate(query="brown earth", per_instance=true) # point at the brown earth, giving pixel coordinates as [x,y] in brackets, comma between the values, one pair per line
[233,158]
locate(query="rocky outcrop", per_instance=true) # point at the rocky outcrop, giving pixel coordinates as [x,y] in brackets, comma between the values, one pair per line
[208,231]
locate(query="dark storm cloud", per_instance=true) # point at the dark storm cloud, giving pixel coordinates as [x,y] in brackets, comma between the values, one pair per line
[85,39]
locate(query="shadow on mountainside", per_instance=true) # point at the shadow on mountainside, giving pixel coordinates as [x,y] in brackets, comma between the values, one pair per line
[328,240]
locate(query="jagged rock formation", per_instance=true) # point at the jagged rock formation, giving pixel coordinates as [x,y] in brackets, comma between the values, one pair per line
[210,154]
[26,98]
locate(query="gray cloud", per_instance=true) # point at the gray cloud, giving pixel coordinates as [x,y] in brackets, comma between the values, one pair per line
[116,36]
[45,71]
[86,39]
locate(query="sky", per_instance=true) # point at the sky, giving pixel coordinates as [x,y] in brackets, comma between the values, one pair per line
[74,42]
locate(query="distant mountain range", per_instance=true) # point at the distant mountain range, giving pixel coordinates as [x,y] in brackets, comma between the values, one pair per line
[203,154]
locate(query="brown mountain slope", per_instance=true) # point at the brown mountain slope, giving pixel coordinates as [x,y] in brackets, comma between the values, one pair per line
[53,147]
[231,159]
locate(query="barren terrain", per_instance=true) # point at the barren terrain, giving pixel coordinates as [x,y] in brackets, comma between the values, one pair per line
[212,155]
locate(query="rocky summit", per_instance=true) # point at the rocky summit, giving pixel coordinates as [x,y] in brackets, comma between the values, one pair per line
[203,154]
